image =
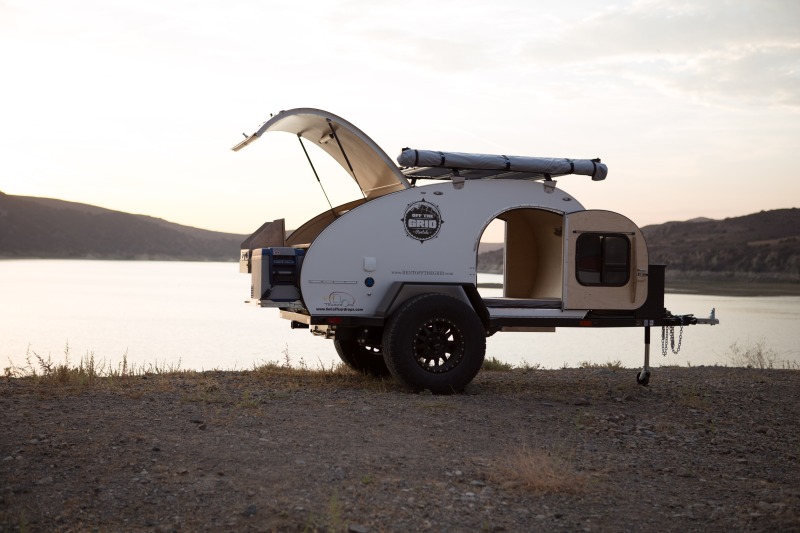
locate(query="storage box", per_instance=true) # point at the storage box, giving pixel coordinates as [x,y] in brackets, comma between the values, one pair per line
[275,274]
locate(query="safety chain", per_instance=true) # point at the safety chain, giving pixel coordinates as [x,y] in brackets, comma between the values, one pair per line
[665,335]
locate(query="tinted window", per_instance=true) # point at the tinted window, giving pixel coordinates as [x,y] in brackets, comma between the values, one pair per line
[603,259]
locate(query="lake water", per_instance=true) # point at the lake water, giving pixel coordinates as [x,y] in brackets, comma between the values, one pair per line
[193,315]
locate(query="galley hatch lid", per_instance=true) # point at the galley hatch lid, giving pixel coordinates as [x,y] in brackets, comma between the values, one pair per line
[374,172]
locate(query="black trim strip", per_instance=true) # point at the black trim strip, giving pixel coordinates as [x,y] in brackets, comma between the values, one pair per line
[594,165]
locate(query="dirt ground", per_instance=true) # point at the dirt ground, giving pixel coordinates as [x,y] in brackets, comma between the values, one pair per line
[700,449]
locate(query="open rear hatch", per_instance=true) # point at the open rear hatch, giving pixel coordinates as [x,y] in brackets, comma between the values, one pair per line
[364,160]
[370,167]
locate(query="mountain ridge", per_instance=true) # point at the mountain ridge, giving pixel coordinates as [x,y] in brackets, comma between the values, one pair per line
[761,247]
[34,227]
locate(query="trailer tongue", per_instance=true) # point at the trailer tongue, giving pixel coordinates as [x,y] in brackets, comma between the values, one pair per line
[392,277]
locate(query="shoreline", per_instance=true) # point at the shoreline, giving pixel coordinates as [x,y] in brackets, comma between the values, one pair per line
[743,288]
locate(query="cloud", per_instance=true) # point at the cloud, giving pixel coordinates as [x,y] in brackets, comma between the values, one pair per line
[714,52]
[450,38]
[767,74]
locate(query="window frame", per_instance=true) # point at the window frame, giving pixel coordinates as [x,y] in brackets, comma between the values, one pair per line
[605,268]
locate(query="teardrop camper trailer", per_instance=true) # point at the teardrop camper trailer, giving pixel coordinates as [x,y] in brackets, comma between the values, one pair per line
[391,277]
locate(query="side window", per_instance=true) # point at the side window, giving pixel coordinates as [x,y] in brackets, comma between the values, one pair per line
[603,259]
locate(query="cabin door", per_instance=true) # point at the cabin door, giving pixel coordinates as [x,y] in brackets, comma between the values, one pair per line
[605,262]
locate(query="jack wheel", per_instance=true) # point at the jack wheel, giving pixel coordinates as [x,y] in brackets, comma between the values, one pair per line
[643,377]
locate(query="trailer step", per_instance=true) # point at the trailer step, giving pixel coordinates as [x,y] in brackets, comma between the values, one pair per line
[522,303]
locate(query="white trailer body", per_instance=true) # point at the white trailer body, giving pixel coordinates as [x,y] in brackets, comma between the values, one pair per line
[392,277]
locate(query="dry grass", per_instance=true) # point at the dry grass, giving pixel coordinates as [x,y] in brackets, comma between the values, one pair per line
[612,365]
[335,376]
[204,386]
[493,364]
[758,355]
[538,471]
[692,398]
[86,372]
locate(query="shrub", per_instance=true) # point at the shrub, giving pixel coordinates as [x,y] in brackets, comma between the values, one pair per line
[756,355]
[494,364]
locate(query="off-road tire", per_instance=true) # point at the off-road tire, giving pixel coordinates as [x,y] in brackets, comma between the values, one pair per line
[364,358]
[434,342]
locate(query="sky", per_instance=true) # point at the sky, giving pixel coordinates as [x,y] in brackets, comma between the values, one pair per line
[134,105]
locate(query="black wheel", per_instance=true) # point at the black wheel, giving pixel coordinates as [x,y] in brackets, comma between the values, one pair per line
[434,342]
[362,357]
[643,378]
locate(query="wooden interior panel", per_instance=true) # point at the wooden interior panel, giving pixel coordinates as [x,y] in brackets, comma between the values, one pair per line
[533,254]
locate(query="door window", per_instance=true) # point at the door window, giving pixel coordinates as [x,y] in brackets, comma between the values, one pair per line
[603,259]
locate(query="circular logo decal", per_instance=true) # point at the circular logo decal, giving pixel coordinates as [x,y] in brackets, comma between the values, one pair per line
[422,220]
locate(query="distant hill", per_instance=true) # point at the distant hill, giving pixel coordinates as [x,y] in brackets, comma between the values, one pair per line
[762,247]
[49,228]
[491,262]
[486,247]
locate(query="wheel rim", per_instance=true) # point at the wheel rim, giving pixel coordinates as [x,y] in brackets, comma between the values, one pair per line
[365,357]
[371,349]
[438,346]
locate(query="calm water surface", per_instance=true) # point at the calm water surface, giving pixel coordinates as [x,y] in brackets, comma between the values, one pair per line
[192,314]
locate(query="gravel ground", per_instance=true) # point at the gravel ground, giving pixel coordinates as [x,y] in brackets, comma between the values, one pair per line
[700,449]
